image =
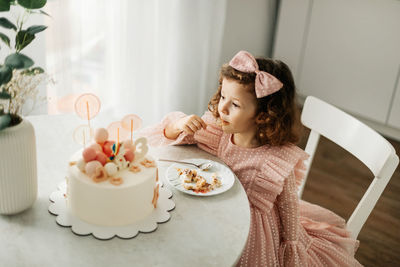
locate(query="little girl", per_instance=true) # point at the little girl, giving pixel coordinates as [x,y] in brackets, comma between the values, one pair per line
[252,125]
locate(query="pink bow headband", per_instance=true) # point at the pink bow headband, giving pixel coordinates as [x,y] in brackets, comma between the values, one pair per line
[265,83]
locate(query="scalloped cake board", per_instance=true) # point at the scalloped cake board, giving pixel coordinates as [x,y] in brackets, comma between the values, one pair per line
[160,214]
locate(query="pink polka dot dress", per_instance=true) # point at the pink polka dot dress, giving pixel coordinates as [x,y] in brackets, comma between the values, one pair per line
[284,231]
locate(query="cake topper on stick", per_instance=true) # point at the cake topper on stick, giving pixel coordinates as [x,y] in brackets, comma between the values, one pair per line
[131,123]
[116,132]
[87,106]
[82,134]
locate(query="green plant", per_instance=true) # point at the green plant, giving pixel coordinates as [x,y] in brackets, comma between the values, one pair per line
[17,65]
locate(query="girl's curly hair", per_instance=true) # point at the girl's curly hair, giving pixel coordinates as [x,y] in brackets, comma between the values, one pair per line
[277,118]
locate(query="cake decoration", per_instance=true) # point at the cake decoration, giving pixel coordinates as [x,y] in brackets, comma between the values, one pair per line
[129,155]
[120,160]
[111,181]
[156,195]
[92,166]
[101,157]
[107,148]
[87,106]
[141,148]
[148,163]
[100,136]
[81,164]
[103,162]
[157,175]
[82,134]
[100,175]
[89,154]
[117,132]
[131,122]
[97,147]
[116,180]
[134,168]
[111,168]
[106,156]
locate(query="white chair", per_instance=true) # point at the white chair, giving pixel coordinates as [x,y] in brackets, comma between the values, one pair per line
[358,139]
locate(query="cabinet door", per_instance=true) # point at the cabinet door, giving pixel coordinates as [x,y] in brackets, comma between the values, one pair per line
[350,54]
[293,19]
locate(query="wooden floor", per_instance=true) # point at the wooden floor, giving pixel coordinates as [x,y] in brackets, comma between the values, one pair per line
[337,181]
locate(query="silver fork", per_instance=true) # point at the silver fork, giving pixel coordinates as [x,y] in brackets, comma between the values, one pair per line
[203,166]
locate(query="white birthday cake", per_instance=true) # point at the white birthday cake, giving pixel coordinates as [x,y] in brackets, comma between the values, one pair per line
[111,183]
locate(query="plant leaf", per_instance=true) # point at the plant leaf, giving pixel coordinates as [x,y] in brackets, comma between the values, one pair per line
[36,28]
[32,4]
[4,121]
[5,23]
[5,77]
[18,61]
[22,39]
[4,5]
[5,39]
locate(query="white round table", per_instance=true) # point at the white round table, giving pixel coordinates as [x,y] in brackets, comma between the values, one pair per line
[202,231]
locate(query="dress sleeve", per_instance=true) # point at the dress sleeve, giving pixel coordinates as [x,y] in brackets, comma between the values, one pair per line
[291,251]
[207,139]
[156,134]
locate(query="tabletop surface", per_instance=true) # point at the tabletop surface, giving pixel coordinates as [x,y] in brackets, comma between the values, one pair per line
[202,231]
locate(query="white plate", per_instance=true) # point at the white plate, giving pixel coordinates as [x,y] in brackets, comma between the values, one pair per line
[224,174]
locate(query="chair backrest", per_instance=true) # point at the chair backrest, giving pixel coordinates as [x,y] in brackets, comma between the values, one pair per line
[357,138]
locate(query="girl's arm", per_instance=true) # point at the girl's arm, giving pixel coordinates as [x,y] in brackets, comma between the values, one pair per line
[178,128]
[291,252]
[189,124]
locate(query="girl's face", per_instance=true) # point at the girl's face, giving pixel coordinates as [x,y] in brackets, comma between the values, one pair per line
[237,107]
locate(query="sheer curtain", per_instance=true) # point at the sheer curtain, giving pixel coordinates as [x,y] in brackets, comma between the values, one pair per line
[75,51]
[143,57]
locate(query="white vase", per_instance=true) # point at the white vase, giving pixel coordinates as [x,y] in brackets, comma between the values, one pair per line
[18,172]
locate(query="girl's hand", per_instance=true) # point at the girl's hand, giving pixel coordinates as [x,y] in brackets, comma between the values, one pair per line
[189,125]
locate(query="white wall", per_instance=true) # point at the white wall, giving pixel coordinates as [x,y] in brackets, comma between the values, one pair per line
[249,25]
